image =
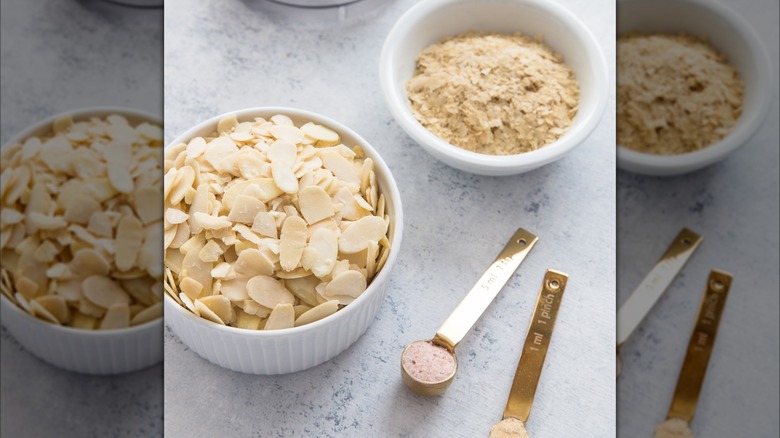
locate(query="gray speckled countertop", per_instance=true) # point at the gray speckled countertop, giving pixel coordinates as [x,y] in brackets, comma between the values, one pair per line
[223,56]
[733,205]
[57,56]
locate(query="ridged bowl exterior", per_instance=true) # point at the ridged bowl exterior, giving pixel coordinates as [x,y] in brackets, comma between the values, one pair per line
[101,352]
[85,351]
[286,353]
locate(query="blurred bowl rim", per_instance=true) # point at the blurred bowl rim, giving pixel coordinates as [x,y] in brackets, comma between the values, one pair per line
[397,221]
[670,165]
[397,102]
[97,333]
[94,111]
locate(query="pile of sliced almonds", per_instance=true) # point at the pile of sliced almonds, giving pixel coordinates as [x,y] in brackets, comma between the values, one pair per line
[80,223]
[269,225]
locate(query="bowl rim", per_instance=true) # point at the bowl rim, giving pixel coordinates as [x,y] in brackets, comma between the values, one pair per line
[378,281]
[81,112]
[655,164]
[32,129]
[544,155]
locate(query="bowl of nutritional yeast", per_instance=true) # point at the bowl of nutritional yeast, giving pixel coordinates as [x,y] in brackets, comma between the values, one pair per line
[689,92]
[494,87]
[282,227]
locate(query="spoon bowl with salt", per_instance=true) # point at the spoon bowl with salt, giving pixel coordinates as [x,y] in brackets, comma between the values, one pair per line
[428,367]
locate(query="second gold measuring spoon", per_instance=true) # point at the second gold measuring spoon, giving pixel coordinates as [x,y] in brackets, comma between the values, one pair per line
[429,366]
[529,369]
[689,384]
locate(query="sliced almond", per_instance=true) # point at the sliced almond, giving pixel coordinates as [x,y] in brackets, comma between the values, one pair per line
[251,263]
[175,216]
[117,317]
[265,224]
[45,222]
[215,308]
[292,243]
[129,239]
[88,262]
[268,291]
[55,305]
[103,292]
[83,321]
[38,310]
[227,124]
[325,243]
[245,209]
[80,209]
[319,132]
[282,317]
[248,321]
[282,120]
[317,313]
[315,204]
[347,284]
[284,178]
[356,236]
[304,288]
[120,178]
[340,167]
[282,152]
[147,314]
[210,252]
[190,287]
[209,222]
[235,290]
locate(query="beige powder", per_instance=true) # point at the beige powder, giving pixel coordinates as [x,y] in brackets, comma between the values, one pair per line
[509,428]
[497,94]
[676,94]
[673,428]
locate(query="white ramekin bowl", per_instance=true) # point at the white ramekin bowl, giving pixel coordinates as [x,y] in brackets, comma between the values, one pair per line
[430,21]
[298,348]
[85,351]
[730,35]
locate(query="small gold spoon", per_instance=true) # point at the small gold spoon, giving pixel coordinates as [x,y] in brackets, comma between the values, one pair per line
[638,305]
[689,384]
[529,369]
[429,366]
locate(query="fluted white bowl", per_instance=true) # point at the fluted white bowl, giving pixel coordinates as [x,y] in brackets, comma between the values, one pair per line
[430,21]
[85,351]
[298,348]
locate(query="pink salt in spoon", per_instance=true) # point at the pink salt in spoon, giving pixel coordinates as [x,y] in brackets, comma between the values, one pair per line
[429,366]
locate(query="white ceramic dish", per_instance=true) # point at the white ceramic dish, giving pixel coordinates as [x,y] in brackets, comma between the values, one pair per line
[85,351]
[431,21]
[730,35]
[298,348]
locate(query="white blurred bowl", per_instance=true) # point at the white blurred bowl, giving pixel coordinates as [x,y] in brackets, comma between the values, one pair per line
[431,21]
[85,351]
[298,348]
[730,35]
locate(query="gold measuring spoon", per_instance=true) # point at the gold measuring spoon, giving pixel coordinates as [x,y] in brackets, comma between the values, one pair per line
[653,286]
[529,369]
[429,366]
[686,394]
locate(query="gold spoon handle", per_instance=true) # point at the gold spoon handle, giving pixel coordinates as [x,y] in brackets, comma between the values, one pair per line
[529,369]
[482,294]
[694,367]
[655,283]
